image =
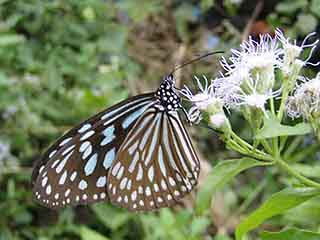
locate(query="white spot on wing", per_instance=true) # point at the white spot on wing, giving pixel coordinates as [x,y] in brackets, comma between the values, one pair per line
[134,162]
[123,183]
[63,178]
[109,114]
[84,146]
[63,163]
[108,158]
[87,152]
[102,195]
[129,184]
[56,196]
[84,128]
[140,173]
[148,191]
[120,173]
[91,165]
[163,185]
[133,116]
[48,189]
[52,153]
[133,148]
[115,169]
[151,173]
[154,142]
[172,181]
[134,195]
[66,194]
[83,185]
[156,187]
[68,149]
[87,135]
[101,182]
[109,135]
[161,163]
[73,176]
[65,141]
[54,164]
[44,181]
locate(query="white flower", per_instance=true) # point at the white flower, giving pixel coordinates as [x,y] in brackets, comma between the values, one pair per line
[203,101]
[253,54]
[218,120]
[256,100]
[292,51]
[247,93]
[250,73]
[305,101]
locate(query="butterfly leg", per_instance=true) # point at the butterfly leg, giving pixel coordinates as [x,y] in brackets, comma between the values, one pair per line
[185,113]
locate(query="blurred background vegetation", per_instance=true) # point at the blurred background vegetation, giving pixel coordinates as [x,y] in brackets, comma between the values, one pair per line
[62,61]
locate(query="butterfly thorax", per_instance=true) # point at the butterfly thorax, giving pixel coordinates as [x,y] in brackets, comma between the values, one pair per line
[169,100]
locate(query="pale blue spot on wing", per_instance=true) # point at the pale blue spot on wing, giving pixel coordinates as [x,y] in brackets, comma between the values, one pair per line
[133,116]
[91,165]
[109,157]
[109,135]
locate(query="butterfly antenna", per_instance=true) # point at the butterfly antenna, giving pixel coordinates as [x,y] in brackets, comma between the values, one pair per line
[194,60]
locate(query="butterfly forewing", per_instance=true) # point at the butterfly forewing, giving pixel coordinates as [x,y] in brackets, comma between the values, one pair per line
[156,165]
[74,169]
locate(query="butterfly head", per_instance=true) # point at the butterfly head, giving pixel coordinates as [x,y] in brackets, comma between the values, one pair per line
[167,95]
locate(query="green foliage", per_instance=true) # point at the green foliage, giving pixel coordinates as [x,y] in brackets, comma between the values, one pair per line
[273,128]
[300,16]
[276,204]
[89,234]
[169,225]
[220,175]
[292,234]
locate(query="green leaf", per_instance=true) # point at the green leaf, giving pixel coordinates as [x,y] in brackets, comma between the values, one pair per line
[275,205]
[198,225]
[312,171]
[309,210]
[221,174]
[291,233]
[273,128]
[89,234]
[112,217]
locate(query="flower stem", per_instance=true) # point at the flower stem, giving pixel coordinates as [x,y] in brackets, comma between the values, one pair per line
[297,175]
[284,96]
[272,106]
[250,150]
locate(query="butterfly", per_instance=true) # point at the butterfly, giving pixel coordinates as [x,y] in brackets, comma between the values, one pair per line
[136,154]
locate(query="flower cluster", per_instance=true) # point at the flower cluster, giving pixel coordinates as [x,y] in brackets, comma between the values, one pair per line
[249,79]
[205,101]
[305,101]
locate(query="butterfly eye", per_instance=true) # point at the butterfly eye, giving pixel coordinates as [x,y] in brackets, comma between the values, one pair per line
[137,154]
[170,78]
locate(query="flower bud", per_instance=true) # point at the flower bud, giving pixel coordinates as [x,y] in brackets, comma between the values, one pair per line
[219,121]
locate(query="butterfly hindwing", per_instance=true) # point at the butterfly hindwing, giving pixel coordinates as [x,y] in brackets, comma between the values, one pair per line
[156,165]
[74,169]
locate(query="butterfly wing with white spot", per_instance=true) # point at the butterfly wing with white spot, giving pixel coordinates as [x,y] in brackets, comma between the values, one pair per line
[74,169]
[156,165]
